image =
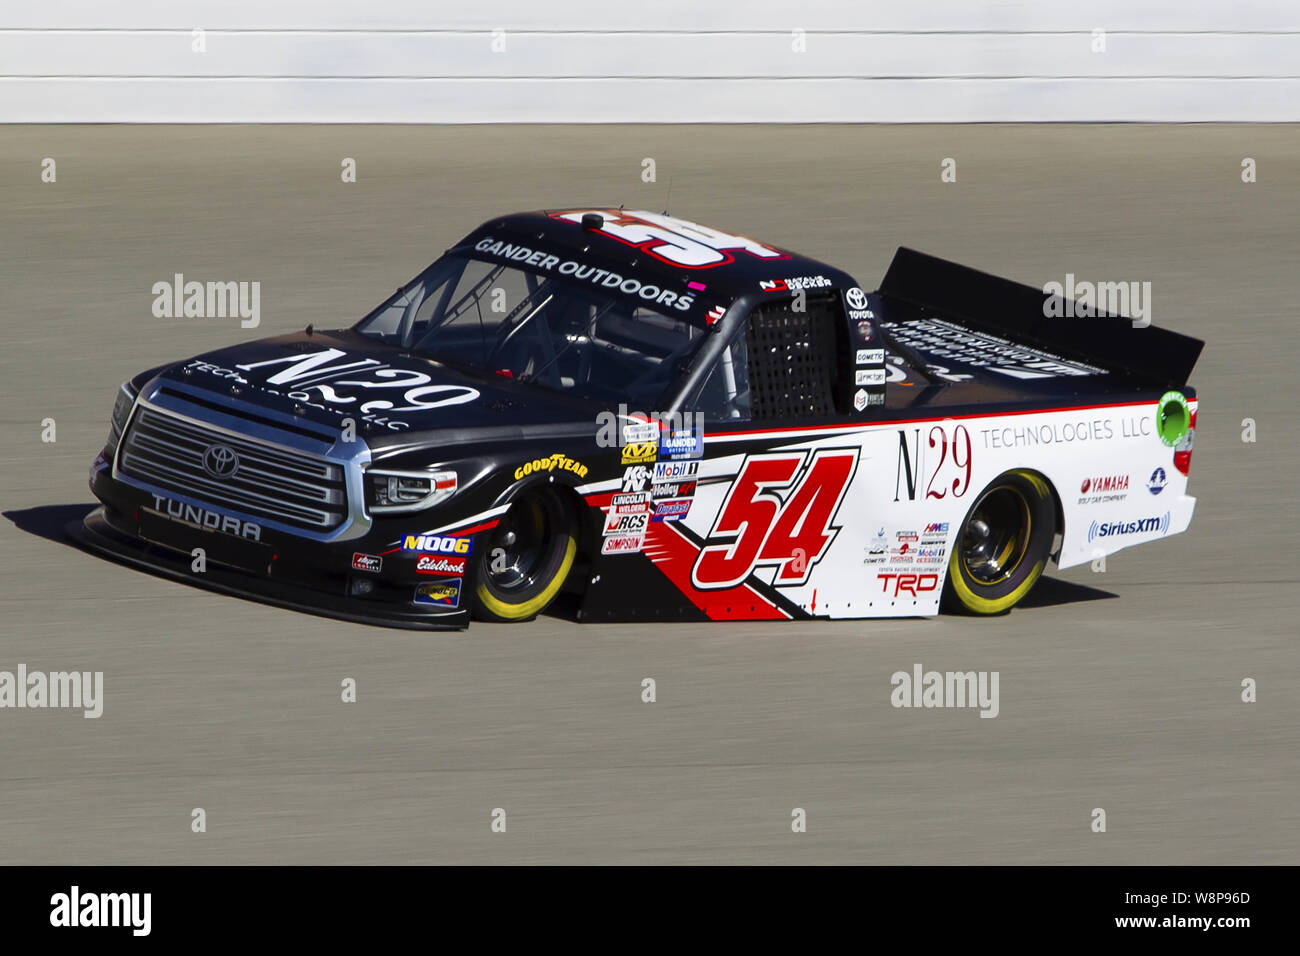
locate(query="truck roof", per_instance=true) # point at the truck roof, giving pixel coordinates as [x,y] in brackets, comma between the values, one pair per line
[711,266]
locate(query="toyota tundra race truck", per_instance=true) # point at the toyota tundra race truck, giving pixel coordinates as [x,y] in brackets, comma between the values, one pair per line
[663,421]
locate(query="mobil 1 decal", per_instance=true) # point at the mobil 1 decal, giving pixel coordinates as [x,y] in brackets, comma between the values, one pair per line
[934,462]
[779,512]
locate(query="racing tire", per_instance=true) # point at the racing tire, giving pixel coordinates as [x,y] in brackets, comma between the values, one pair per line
[526,560]
[1003,545]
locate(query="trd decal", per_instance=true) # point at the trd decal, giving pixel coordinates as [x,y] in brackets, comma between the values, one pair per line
[763,528]
[954,462]
[896,585]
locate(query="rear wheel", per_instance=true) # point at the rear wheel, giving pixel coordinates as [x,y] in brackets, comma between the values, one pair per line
[527,559]
[1003,545]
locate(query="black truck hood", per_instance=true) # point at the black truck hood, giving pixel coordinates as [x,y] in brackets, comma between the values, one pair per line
[327,377]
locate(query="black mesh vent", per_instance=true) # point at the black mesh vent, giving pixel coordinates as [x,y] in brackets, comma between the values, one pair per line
[793,365]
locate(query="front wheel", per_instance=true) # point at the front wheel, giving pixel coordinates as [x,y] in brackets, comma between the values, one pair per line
[1003,545]
[527,559]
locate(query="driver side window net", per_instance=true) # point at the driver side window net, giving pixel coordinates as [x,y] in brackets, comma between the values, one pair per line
[793,359]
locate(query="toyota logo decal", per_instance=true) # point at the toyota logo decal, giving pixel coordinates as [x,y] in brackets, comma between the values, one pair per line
[220,461]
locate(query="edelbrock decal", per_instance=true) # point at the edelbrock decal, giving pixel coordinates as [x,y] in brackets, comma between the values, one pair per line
[453,566]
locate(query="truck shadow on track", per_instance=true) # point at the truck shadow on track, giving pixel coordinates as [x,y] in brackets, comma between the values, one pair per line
[52,521]
[1050,592]
[49,521]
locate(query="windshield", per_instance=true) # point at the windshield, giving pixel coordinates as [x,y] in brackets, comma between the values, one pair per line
[534,328]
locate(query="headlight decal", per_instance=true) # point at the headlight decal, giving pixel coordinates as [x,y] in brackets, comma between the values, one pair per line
[398,491]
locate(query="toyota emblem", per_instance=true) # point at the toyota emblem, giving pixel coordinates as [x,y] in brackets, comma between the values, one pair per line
[220,461]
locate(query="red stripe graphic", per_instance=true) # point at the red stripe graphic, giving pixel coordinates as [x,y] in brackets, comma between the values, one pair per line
[486,525]
[674,554]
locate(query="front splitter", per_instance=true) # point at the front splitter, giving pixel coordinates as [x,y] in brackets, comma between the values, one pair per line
[98,535]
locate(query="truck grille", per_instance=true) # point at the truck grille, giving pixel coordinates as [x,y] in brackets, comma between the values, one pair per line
[268,481]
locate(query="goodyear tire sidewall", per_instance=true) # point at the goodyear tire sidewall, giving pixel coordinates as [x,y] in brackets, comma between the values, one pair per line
[561,552]
[964,593]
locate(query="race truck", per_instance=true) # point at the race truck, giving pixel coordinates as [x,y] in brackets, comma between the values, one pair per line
[662,422]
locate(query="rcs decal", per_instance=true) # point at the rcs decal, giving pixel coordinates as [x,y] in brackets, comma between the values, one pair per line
[763,527]
[954,462]
[616,523]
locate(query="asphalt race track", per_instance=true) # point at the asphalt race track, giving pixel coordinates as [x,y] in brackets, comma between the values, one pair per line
[1119,690]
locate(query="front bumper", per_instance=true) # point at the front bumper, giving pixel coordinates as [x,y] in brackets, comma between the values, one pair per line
[117,535]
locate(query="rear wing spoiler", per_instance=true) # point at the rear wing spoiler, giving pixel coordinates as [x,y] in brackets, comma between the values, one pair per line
[1151,356]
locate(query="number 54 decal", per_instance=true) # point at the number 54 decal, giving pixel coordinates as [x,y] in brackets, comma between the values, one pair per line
[777,512]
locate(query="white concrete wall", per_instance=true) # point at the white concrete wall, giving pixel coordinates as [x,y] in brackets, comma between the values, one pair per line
[407,61]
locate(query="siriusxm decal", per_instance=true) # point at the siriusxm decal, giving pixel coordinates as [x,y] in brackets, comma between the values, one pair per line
[1114,529]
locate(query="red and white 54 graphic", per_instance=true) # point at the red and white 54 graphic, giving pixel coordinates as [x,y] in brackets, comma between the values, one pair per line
[778,512]
[677,241]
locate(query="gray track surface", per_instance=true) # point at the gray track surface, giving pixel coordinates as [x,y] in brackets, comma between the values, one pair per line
[1119,690]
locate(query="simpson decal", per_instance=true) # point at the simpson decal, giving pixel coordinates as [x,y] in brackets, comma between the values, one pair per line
[623,544]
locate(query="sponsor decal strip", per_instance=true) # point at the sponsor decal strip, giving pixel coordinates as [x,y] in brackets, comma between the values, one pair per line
[894,422]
